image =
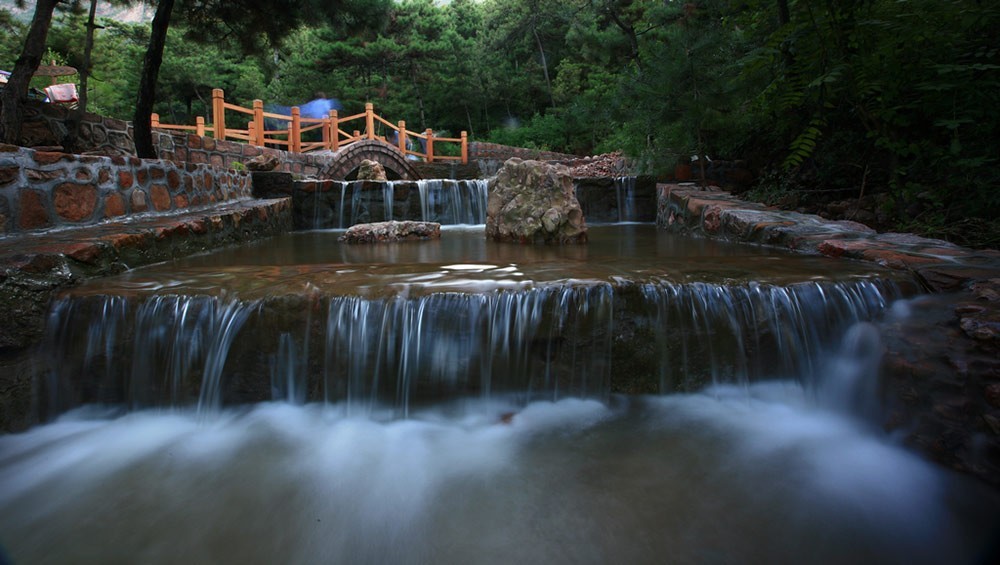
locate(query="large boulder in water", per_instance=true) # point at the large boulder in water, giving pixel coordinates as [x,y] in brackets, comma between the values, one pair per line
[534,202]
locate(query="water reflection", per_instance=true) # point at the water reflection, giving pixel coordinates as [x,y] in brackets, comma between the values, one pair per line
[628,252]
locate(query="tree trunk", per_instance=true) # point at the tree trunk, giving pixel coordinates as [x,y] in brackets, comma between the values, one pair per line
[76,117]
[468,118]
[784,16]
[630,34]
[420,96]
[15,93]
[545,66]
[142,130]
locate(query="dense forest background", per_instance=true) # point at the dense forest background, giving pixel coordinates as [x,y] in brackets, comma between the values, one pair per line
[818,97]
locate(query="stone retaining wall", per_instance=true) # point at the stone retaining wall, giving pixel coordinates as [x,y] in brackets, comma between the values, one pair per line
[608,200]
[42,190]
[940,266]
[491,156]
[190,148]
[46,125]
[479,150]
[940,372]
[35,266]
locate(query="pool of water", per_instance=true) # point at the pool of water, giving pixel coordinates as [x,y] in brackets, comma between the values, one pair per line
[458,401]
[464,261]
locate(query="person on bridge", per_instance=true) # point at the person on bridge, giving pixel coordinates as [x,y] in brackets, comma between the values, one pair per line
[319,107]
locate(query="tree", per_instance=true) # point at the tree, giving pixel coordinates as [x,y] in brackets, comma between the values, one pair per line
[146,96]
[247,21]
[15,93]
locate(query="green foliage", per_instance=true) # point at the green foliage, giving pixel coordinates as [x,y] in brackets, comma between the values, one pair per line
[897,96]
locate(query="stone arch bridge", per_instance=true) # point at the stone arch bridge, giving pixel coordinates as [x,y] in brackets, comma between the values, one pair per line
[343,164]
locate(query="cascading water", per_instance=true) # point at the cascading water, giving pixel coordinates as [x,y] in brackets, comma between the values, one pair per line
[448,202]
[625,195]
[540,343]
[466,412]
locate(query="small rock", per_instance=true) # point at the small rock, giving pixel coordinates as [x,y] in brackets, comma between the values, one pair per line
[263,163]
[371,170]
[382,232]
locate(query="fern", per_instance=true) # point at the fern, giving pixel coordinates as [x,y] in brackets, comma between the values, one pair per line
[804,144]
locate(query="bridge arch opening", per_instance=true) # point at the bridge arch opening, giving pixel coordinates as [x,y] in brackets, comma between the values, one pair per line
[344,164]
[390,174]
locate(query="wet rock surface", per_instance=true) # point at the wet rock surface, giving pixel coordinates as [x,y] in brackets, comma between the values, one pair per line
[371,170]
[384,232]
[941,369]
[941,380]
[534,202]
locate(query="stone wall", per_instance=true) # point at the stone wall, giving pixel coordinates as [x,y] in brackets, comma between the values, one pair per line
[491,156]
[47,125]
[621,199]
[44,189]
[448,170]
[479,150]
[190,148]
[940,372]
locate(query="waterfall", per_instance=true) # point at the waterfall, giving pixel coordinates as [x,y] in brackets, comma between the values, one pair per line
[547,342]
[625,195]
[453,202]
[445,201]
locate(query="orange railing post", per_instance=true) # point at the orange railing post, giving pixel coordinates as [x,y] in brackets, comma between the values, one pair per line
[334,131]
[326,133]
[256,134]
[295,132]
[219,113]
[258,124]
[370,120]
[154,120]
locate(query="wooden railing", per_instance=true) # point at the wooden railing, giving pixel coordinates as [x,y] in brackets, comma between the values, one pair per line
[333,131]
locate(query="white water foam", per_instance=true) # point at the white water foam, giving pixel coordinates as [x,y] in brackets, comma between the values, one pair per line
[733,474]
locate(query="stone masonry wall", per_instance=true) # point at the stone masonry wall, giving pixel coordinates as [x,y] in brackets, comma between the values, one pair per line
[42,189]
[190,148]
[940,371]
[479,150]
[46,125]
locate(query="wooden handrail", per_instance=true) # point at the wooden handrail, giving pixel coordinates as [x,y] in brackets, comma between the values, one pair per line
[333,136]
